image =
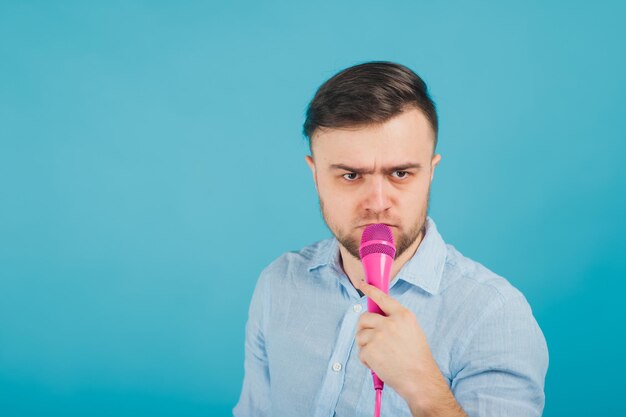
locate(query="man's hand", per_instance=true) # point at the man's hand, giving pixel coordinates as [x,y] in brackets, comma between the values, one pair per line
[395,347]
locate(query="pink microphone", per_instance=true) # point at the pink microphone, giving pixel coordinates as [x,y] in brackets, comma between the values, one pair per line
[377,253]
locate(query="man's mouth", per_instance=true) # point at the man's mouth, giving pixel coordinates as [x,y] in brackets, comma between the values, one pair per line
[369,224]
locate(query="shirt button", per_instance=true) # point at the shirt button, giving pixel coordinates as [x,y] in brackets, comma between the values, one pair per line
[357,308]
[336,367]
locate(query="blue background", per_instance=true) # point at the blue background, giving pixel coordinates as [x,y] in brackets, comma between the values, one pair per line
[152,163]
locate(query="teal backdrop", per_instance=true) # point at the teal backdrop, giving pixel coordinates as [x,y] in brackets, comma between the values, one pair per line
[152,164]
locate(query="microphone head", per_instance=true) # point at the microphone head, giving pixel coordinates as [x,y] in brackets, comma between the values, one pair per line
[377,238]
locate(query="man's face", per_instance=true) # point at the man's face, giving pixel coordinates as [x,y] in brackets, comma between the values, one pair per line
[375,174]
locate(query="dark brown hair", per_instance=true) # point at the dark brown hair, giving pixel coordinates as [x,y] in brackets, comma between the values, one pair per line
[372,92]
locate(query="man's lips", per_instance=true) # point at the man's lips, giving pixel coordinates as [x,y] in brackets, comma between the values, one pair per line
[369,224]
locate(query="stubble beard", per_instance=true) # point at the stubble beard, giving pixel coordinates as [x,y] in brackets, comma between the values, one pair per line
[403,242]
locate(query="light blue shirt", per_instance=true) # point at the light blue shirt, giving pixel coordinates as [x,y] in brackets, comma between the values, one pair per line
[301,358]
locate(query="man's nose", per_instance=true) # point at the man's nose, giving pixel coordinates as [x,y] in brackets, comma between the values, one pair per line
[377,197]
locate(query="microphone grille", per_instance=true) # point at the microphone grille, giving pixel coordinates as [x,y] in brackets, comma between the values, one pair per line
[377,248]
[378,231]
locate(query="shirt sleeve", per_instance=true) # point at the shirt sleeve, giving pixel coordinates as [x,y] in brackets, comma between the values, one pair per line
[502,367]
[254,399]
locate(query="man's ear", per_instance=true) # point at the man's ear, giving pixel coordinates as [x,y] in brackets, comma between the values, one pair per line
[433,164]
[311,164]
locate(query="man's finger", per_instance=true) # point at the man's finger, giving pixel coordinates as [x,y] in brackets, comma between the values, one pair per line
[386,303]
[363,337]
[370,321]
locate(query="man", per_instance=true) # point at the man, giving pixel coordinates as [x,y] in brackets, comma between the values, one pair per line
[457,339]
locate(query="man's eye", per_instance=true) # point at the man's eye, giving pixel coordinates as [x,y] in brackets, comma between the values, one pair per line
[351,176]
[400,174]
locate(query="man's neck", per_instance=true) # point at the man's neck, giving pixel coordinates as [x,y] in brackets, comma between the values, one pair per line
[354,268]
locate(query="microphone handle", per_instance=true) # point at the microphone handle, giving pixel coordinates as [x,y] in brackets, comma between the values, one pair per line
[377,270]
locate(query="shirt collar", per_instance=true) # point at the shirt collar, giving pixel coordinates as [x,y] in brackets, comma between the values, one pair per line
[424,269]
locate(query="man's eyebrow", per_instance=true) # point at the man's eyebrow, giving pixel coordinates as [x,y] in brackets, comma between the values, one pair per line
[402,167]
